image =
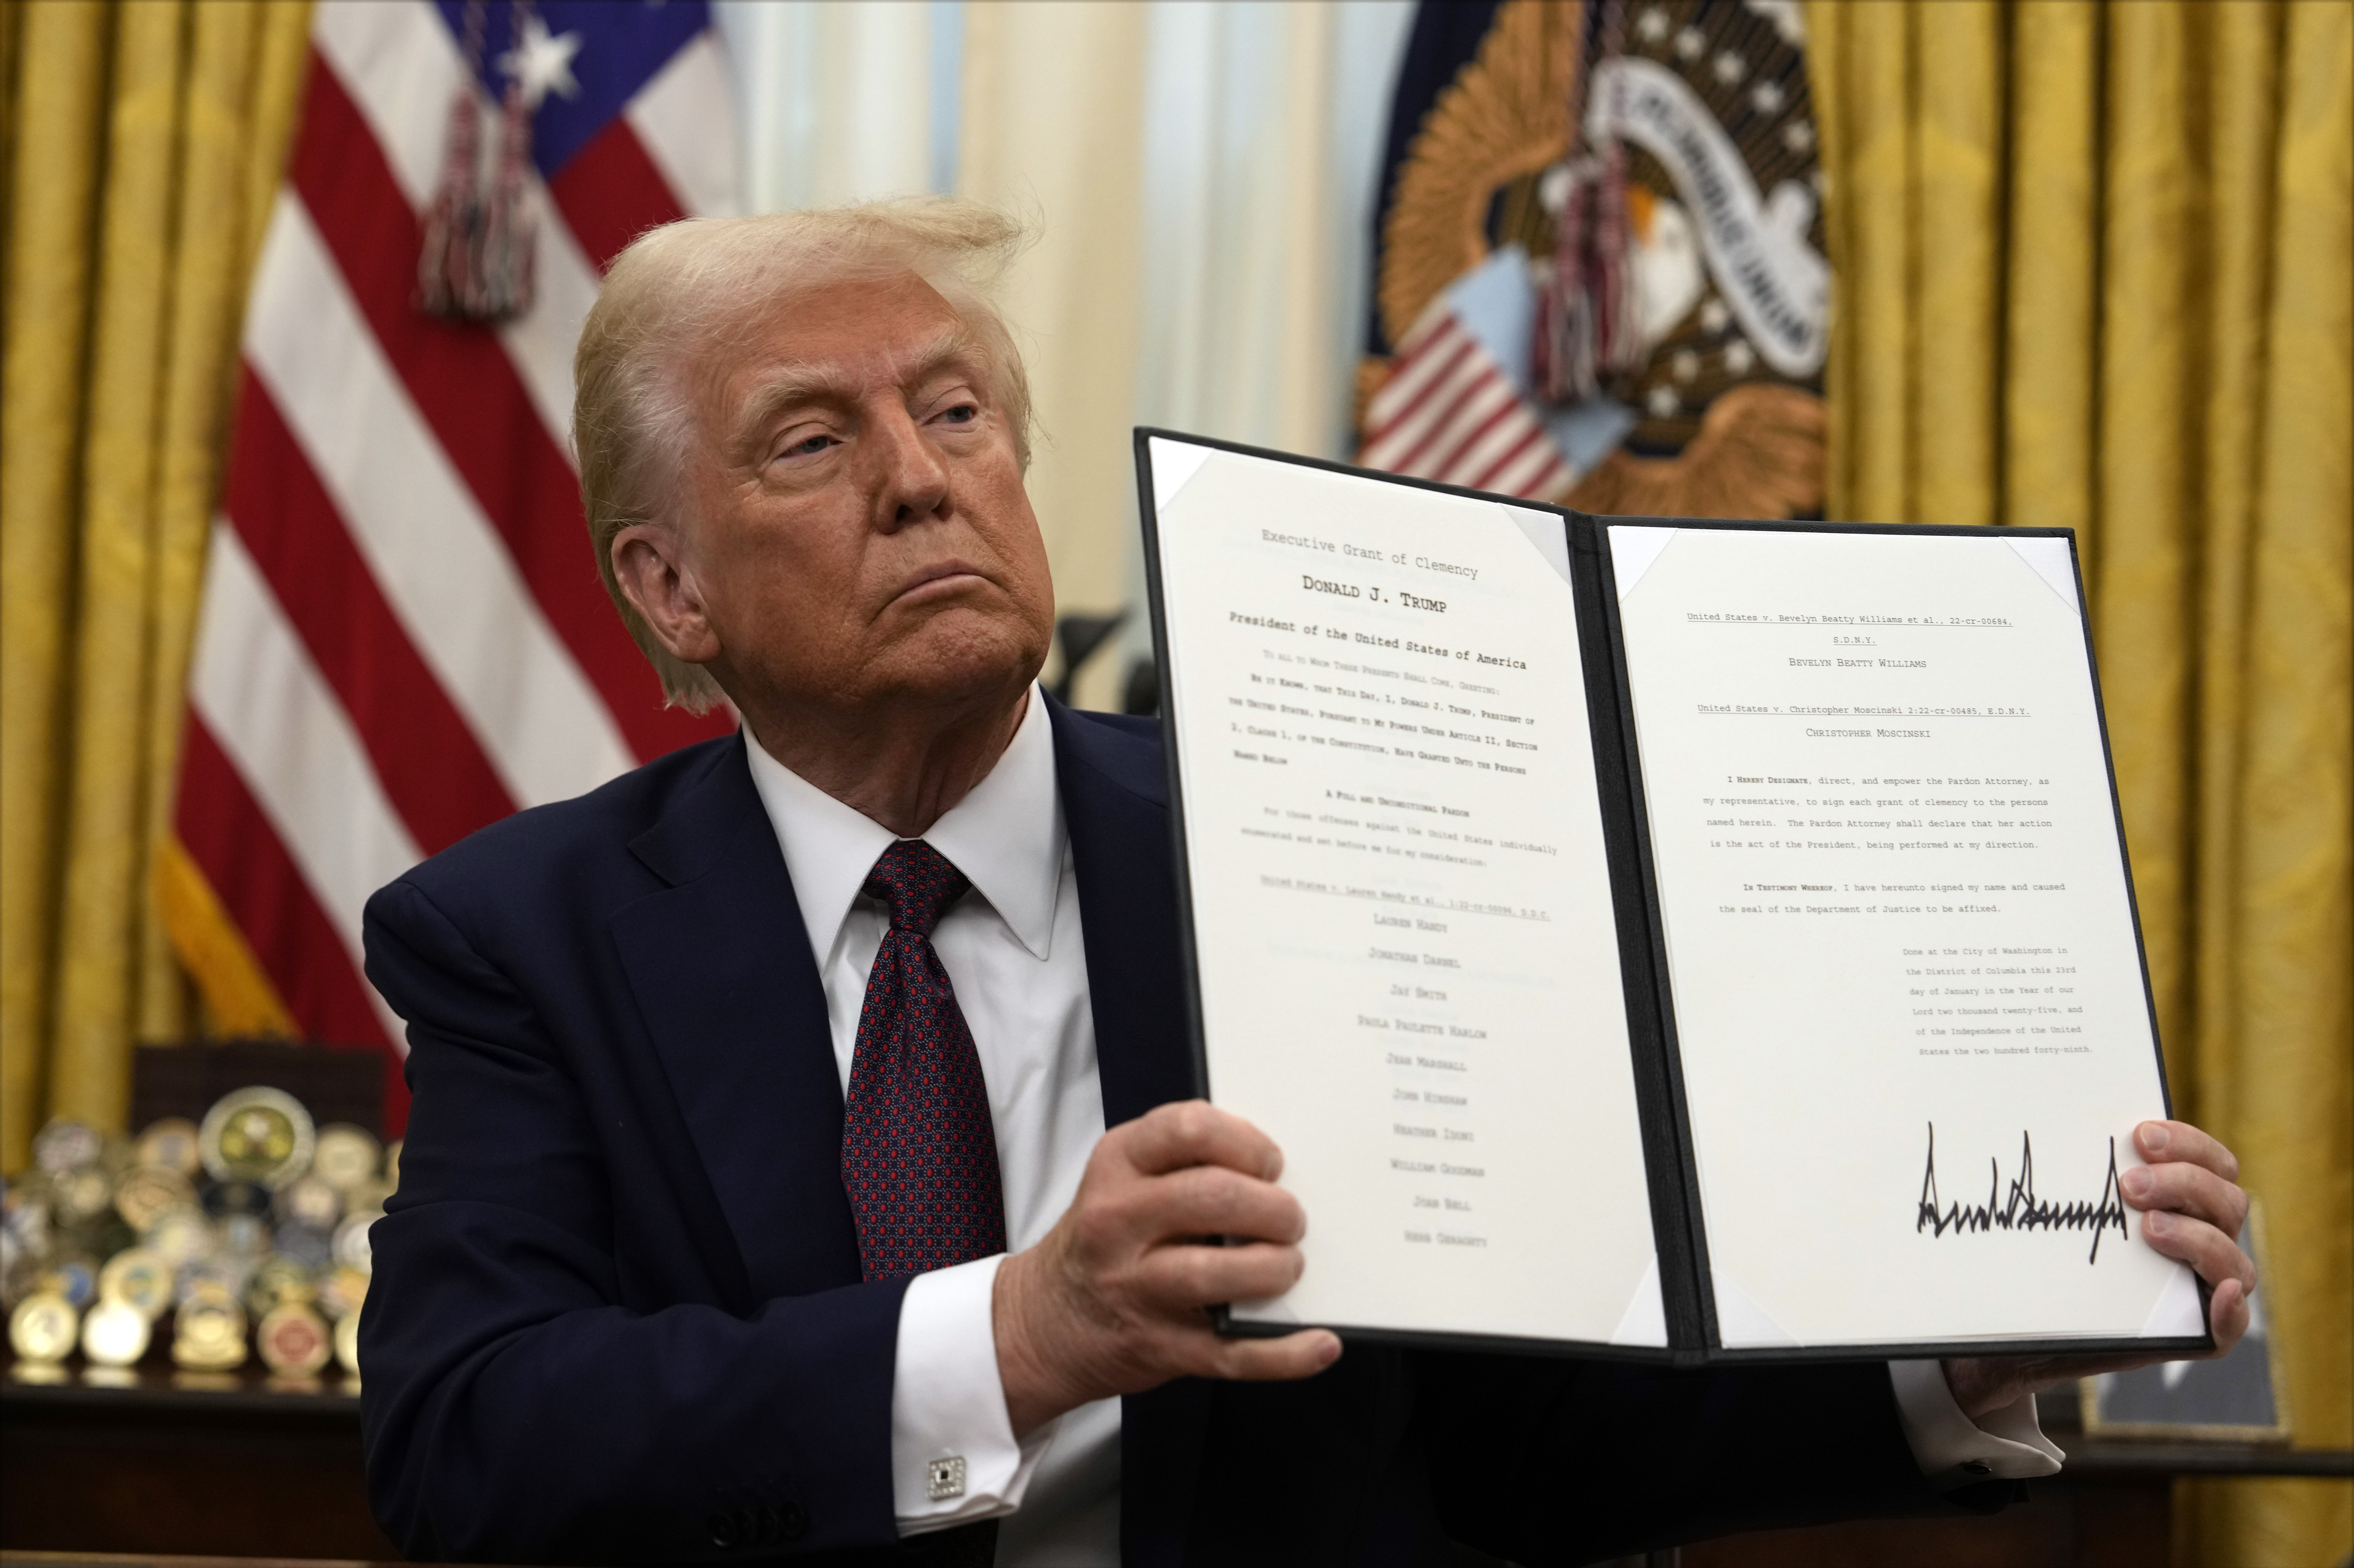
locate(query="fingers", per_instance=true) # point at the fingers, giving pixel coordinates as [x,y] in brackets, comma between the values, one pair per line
[2227,1314]
[1212,1201]
[2174,1141]
[2218,1261]
[1141,1212]
[2194,1212]
[2214,1256]
[1194,1132]
[1303,1355]
[1112,1301]
[2187,1189]
[1183,1280]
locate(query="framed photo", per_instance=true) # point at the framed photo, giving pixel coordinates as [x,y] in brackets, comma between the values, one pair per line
[2237,1398]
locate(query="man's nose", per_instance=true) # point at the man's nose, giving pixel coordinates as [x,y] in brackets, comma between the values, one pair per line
[911,477]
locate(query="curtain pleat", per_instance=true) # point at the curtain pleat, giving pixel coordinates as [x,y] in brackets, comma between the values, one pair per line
[2245,41]
[146,141]
[1957,170]
[1869,135]
[2147,473]
[98,925]
[57,133]
[2091,265]
[2052,326]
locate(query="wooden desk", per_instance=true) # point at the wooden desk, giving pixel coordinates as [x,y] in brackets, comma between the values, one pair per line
[242,1466]
[231,1465]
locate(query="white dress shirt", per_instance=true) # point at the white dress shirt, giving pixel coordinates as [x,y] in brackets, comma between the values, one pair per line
[1014,954]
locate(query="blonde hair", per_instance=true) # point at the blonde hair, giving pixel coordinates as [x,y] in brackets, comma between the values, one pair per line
[673,294]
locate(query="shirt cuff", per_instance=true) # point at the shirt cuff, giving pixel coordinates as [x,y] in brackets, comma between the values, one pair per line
[953,1456]
[1952,1450]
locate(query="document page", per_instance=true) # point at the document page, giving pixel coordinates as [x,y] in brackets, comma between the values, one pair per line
[1402,912]
[1908,995]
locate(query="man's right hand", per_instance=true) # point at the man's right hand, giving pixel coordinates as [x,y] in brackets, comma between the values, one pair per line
[1112,1301]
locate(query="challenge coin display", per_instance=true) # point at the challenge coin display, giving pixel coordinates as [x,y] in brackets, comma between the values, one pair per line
[244,1236]
[257,1134]
[171,1142]
[181,1236]
[64,1145]
[145,1193]
[294,1341]
[308,1246]
[43,1327]
[247,1227]
[82,1195]
[310,1200]
[347,1155]
[138,1278]
[277,1281]
[230,1200]
[114,1334]
[208,1334]
[352,1249]
[342,1292]
[74,1280]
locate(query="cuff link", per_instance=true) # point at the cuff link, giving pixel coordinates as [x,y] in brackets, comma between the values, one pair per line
[944,1479]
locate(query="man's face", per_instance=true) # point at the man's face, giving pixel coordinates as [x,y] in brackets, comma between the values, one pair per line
[860,535]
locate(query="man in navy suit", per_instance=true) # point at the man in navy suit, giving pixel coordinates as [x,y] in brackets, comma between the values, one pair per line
[802,1158]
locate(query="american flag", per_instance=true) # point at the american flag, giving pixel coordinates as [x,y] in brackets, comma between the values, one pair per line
[403,637]
[1448,412]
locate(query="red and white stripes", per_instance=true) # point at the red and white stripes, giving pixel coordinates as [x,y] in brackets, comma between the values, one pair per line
[1449,413]
[403,636]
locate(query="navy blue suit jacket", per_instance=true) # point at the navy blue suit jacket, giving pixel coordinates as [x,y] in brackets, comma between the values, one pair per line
[617,1313]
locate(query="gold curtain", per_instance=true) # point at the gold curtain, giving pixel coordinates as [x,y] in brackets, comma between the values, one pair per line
[143,143]
[2092,264]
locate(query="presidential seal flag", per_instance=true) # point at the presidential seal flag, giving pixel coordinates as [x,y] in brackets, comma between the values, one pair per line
[403,635]
[1601,243]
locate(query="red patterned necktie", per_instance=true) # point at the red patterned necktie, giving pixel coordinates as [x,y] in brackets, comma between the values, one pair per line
[919,1150]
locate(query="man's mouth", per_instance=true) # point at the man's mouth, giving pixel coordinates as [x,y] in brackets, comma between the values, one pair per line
[939,581]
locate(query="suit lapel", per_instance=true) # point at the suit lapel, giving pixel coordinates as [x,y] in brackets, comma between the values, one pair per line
[723,975]
[1116,810]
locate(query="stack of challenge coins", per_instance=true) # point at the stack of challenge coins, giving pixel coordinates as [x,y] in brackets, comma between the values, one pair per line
[205,1245]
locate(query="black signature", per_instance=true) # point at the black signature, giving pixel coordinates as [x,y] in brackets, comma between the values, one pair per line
[2021,1209]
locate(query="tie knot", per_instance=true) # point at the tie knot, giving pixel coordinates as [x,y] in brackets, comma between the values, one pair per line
[916,884]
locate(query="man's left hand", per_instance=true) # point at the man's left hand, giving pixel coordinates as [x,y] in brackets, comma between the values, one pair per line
[2192,1209]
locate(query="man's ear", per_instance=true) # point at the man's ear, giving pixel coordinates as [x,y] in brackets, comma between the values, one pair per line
[648,562]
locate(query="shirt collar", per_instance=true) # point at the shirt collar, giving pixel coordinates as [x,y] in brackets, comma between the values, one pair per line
[1006,836]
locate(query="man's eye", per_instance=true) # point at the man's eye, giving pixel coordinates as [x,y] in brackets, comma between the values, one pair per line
[963,413]
[809,448]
